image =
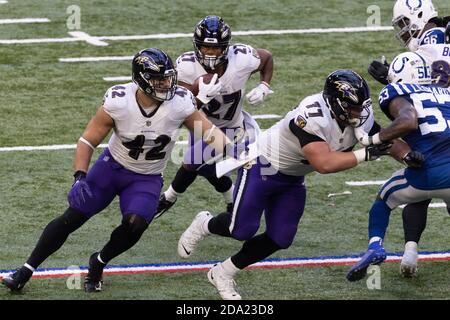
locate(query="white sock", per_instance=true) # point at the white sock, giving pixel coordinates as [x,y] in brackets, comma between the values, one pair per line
[26,265]
[411,245]
[229,268]
[171,195]
[374,239]
[228,195]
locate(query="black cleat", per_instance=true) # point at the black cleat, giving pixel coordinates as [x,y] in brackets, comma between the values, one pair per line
[16,281]
[230,207]
[93,281]
[163,205]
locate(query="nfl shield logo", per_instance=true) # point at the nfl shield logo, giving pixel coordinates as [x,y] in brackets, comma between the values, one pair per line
[148,123]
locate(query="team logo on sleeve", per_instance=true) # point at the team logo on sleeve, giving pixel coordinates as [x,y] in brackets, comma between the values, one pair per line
[347,90]
[300,122]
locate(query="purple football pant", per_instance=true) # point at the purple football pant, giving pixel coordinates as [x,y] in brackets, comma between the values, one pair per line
[138,193]
[279,196]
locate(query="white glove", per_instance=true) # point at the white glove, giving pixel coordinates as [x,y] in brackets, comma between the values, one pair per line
[256,96]
[208,91]
[365,139]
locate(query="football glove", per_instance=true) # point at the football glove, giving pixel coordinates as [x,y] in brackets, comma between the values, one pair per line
[414,159]
[379,70]
[208,91]
[80,190]
[372,152]
[256,95]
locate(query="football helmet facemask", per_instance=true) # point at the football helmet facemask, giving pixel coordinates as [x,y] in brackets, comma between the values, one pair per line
[409,19]
[347,95]
[154,72]
[211,32]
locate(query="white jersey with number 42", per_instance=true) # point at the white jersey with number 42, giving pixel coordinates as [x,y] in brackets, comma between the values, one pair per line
[143,142]
[225,111]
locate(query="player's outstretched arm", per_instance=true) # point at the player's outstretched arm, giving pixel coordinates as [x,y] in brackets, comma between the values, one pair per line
[405,120]
[324,160]
[96,130]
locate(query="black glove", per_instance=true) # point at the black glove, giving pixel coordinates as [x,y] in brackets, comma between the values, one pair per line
[414,159]
[373,152]
[379,70]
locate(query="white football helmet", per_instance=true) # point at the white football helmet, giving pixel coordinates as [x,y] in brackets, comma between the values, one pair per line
[409,67]
[409,18]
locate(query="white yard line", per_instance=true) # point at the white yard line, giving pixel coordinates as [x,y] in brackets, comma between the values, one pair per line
[365,183]
[189,35]
[89,39]
[3,2]
[23,20]
[120,78]
[95,59]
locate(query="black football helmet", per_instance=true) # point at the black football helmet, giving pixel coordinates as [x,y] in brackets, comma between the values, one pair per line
[153,71]
[345,90]
[211,31]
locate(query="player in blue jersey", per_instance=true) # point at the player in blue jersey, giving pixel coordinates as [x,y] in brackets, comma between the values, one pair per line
[420,115]
[417,25]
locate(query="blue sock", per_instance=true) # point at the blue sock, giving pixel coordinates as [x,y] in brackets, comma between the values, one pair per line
[378,219]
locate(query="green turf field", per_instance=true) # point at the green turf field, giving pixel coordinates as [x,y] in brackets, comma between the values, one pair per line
[47,102]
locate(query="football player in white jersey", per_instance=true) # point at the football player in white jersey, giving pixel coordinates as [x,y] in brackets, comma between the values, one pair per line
[145,116]
[318,135]
[416,24]
[221,102]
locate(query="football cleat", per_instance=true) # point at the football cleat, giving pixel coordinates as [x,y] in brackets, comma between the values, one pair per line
[224,285]
[408,265]
[93,281]
[193,235]
[230,207]
[16,281]
[163,205]
[374,255]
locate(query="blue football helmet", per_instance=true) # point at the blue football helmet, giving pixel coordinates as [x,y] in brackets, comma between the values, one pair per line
[345,90]
[153,71]
[211,31]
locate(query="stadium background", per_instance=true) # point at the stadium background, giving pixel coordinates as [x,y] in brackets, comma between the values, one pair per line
[47,102]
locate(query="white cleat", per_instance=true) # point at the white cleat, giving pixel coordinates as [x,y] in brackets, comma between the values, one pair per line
[193,234]
[408,266]
[224,285]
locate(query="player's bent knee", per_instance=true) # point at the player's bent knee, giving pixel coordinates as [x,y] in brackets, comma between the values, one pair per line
[190,167]
[135,224]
